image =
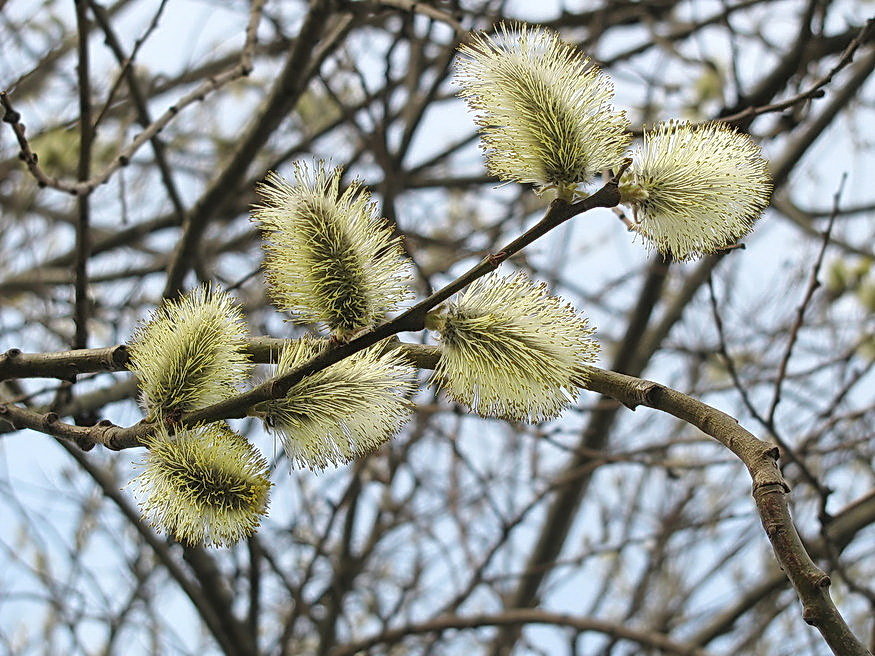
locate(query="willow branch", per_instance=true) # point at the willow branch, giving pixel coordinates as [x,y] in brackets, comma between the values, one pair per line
[770,491]
[83,223]
[123,158]
[518,616]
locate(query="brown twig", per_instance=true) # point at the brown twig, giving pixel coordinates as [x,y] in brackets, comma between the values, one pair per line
[521,616]
[815,90]
[123,158]
[103,17]
[813,284]
[413,319]
[138,97]
[86,139]
[412,6]
[767,423]
[308,52]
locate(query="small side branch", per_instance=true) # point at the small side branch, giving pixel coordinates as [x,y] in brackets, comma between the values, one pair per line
[123,157]
[770,491]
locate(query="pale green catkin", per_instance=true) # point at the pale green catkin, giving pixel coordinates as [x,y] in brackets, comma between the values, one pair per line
[696,189]
[190,353]
[545,112]
[343,411]
[511,350]
[329,258]
[205,485]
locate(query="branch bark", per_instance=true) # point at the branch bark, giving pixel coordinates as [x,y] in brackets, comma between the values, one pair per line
[770,490]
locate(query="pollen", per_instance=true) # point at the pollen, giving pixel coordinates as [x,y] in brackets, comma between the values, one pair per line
[512,350]
[329,258]
[696,189]
[206,485]
[544,110]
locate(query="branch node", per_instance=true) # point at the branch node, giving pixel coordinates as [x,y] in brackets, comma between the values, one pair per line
[11,115]
[811,615]
[84,443]
[494,259]
[649,390]
[119,355]
[773,529]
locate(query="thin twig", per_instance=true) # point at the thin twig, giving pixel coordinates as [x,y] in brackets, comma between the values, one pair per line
[521,616]
[768,421]
[412,6]
[813,284]
[139,100]
[816,88]
[103,17]
[728,360]
[310,49]
[123,158]
[412,320]
[86,139]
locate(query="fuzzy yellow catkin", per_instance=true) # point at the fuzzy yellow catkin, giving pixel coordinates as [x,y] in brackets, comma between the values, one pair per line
[342,412]
[329,258]
[204,485]
[695,189]
[190,353]
[511,350]
[544,110]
